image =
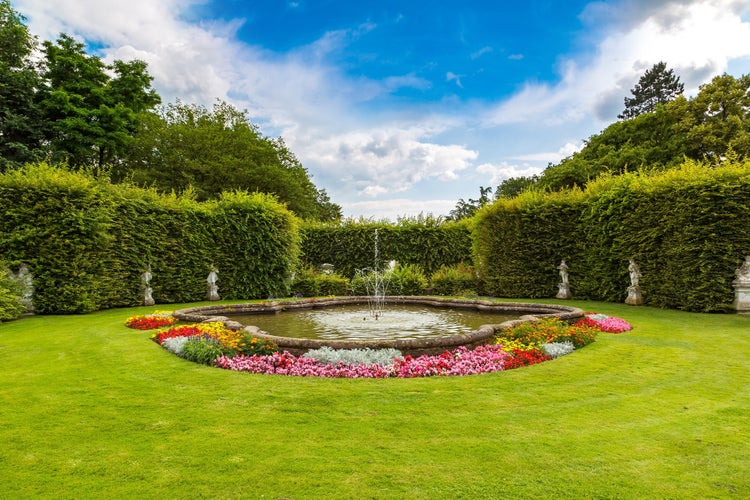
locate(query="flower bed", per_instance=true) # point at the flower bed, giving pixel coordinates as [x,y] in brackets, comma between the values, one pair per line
[525,344]
[151,321]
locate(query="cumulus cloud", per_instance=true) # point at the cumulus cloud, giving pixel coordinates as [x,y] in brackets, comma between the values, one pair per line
[696,39]
[382,160]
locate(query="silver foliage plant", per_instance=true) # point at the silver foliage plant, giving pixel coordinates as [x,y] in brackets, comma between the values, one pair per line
[329,356]
[557,349]
[175,345]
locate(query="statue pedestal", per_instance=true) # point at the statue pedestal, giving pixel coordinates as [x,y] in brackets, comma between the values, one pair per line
[564,291]
[741,302]
[213,293]
[635,297]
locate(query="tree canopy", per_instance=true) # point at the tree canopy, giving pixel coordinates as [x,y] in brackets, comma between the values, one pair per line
[72,109]
[187,146]
[20,117]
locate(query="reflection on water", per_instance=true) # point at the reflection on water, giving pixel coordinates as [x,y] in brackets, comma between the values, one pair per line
[353,322]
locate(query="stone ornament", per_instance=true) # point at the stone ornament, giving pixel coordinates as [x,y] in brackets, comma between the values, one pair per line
[635,296]
[213,288]
[25,280]
[564,286]
[148,300]
[742,288]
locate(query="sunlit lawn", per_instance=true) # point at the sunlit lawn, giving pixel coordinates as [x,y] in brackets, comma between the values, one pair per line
[90,408]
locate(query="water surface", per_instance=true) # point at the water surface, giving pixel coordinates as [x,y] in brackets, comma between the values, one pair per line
[355,322]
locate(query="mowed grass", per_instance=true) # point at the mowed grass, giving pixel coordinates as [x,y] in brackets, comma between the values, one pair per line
[90,409]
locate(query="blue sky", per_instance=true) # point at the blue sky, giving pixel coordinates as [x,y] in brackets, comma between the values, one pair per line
[399,108]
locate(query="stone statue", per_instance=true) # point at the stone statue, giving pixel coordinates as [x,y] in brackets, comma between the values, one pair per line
[25,281]
[148,300]
[563,287]
[563,267]
[213,288]
[635,296]
[743,273]
[742,288]
[635,273]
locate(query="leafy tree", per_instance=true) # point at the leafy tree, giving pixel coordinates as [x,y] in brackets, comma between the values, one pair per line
[657,86]
[720,118]
[513,186]
[466,209]
[91,115]
[187,146]
[20,116]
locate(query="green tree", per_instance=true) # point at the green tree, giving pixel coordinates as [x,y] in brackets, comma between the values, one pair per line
[187,146]
[466,209]
[91,116]
[720,118]
[20,116]
[658,85]
[513,186]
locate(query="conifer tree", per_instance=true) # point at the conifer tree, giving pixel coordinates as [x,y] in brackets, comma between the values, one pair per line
[658,85]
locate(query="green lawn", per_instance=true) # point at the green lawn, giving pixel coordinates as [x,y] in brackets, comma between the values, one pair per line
[90,408]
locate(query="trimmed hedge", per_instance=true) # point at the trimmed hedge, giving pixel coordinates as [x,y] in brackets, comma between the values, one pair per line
[519,243]
[88,242]
[688,229]
[350,245]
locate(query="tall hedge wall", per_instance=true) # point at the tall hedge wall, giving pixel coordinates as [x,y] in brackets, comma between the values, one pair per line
[519,243]
[351,245]
[688,229]
[87,242]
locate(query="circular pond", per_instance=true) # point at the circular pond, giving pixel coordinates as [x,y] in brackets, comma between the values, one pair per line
[413,325]
[355,322]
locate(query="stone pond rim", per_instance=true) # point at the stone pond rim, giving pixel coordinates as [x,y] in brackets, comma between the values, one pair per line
[413,347]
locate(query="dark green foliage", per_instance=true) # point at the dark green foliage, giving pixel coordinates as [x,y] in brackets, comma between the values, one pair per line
[407,279]
[90,116]
[88,242]
[20,116]
[311,283]
[454,280]
[350,245]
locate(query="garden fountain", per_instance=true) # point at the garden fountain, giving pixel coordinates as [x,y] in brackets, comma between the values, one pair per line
[376,282]
[384,323]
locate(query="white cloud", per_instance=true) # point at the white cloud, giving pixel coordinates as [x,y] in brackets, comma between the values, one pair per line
[450,76]
[553,156]
[479,53]
[696,39]
[385,159]
[392,209]
[499,172]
